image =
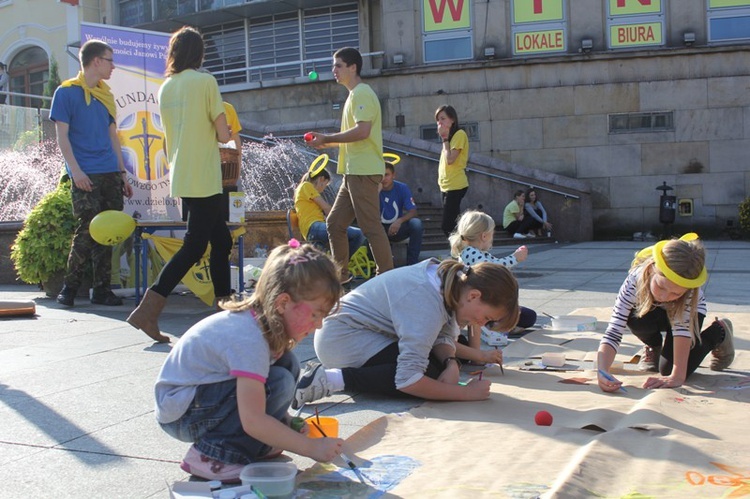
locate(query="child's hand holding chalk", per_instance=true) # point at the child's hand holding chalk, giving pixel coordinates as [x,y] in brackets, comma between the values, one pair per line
[480,389]
[610,378]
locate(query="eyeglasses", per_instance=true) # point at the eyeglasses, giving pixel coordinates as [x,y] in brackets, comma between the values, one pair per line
[107,59]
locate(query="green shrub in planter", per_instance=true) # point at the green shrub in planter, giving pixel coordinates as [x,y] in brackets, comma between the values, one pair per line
[41,249]
[744,210]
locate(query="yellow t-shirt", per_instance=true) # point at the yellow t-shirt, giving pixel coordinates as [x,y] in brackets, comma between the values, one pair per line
[307,210]
[232,119]
[189,102]
[509,213]
[453,177]
[364,157]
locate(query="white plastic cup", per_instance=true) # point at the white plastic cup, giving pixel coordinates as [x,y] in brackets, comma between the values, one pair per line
[553,359]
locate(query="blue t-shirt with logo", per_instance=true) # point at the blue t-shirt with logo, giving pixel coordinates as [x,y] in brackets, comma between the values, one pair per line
[88,129]
[396,202]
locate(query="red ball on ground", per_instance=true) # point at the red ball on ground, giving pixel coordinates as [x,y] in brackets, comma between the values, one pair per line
[309,136]
[543,418]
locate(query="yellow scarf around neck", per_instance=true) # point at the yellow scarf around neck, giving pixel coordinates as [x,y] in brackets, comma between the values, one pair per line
[101,91]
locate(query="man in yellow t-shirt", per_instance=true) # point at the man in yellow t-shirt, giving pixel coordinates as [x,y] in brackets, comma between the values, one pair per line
[233,121]
[361,162]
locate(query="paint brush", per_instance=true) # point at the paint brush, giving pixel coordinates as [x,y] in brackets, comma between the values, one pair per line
[609,377]
[548,315]
[317,418]
[352,466]
[346,458]
[299,411]
[257,492]
[480,376]
[502,371]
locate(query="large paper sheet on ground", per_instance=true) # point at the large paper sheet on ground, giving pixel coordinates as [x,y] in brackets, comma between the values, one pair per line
[686,442]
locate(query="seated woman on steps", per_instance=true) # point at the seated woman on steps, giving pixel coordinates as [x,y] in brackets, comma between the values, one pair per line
[535,209]
[515,222]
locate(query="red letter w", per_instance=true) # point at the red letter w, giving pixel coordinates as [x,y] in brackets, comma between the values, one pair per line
[621,3]
[437,12]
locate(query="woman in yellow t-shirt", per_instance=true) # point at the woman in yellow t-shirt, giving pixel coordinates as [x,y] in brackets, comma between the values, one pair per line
[452,168]
[312,209]
[193,117]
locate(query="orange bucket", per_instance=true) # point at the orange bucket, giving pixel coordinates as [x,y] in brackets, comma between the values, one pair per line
[330,427]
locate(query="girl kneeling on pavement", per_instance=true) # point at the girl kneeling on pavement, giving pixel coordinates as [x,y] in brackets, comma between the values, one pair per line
[395,334]
[662,294]
[227,384]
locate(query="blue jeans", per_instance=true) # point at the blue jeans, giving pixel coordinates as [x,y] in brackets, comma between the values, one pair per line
[413,230]
[318,234]
[212,422]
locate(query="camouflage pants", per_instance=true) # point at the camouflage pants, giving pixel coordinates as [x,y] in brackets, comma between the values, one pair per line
[106,194]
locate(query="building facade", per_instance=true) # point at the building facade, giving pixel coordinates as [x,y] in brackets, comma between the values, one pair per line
[33,32]
[623,95]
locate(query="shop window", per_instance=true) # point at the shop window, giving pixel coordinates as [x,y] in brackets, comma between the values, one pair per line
[28,73]
[447,31]
[728,21]
[662,121]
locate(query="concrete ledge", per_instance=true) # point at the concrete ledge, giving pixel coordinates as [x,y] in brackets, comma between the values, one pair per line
[8,233]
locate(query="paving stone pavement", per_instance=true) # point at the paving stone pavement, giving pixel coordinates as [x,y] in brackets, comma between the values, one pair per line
[76,385]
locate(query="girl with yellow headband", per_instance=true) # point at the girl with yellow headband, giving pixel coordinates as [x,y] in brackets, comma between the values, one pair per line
[663,294]
[312,210]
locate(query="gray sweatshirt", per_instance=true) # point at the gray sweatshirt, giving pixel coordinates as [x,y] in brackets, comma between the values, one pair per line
[404,305]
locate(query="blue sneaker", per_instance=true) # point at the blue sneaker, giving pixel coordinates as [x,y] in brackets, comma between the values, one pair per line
[312,385]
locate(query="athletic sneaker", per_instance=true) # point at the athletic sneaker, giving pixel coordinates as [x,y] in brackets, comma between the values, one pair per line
[518,235]
[649,359]
[724,353]
[313,385]
[202,466]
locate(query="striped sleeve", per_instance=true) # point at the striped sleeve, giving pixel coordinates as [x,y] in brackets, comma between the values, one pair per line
[624,305]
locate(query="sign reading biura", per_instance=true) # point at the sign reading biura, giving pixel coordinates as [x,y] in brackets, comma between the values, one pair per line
[635,23]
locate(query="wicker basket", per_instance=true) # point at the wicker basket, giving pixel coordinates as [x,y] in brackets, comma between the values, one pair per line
[230,166]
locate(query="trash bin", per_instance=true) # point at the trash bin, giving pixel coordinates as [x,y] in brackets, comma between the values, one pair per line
[667,208]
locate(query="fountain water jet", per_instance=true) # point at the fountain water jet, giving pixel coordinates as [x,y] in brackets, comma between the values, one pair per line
[26,176]
[272,169]
[270,172]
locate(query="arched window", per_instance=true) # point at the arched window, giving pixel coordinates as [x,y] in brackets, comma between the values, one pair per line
[28,73]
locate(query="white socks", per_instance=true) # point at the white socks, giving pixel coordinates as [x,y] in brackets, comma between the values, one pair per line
[335,380]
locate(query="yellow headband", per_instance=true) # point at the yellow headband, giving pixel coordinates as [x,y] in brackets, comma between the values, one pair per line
[392,158]
[656,252]
[315,169]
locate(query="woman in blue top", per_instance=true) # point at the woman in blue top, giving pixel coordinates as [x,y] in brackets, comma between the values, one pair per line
[538,214]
